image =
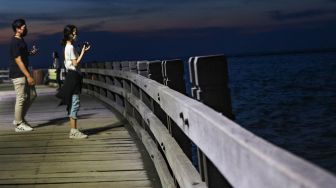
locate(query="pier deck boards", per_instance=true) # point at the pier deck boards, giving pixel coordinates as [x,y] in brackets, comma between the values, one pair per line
[46,157]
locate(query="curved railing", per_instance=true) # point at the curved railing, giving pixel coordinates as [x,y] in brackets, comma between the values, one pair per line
[241,157]
[4,75]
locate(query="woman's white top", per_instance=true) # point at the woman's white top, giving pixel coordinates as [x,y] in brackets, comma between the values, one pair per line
[69,55]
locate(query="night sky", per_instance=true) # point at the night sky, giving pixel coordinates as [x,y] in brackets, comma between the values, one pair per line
[143,29]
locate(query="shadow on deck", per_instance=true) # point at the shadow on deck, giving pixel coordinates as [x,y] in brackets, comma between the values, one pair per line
[111,156]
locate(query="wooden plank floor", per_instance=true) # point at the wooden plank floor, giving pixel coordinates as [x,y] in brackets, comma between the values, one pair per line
[46,157]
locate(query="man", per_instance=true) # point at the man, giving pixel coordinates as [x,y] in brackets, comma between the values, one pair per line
[23,82]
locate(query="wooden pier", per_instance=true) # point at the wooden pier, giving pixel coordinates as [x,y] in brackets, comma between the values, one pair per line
[46,157]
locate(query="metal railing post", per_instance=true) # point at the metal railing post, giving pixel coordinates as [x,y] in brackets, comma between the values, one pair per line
[209,84]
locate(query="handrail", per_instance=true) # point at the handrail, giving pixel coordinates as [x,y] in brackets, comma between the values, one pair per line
[243,158]
[4,74]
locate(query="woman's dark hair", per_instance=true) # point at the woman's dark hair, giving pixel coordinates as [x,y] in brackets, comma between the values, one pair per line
[68,33]
[18,24]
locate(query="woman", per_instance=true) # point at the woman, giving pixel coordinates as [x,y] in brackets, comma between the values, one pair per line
[69,93]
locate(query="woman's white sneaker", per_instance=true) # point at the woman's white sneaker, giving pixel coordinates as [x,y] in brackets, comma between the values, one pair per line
[76,134]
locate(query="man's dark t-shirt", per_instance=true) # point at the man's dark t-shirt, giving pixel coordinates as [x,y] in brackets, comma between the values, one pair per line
[18,47]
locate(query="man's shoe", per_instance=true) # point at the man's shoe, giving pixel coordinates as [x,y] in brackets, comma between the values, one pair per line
[23,127]
[76,134]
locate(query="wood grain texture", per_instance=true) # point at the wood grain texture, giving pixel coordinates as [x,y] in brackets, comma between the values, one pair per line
[46,157]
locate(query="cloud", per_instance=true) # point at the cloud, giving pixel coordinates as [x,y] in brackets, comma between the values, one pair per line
[49,17]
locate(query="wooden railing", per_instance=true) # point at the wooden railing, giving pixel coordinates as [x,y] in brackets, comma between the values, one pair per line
[4,75]
[241,158]
[38,75]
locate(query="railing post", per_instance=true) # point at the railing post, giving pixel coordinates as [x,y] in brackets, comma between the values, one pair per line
[135,90]
[102,79]
[172,73]
[109,80]
[152,70]
[209,84]
[119,83]
[169,73]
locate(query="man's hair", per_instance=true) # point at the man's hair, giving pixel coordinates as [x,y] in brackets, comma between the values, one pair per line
[18,23]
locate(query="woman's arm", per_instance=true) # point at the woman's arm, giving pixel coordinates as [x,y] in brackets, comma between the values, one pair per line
[75,62]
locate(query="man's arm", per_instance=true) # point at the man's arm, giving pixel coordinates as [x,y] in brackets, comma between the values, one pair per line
[23,69]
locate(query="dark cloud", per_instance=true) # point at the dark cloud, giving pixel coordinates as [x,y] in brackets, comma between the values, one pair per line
[97,10]
[9,17]
[93,27]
